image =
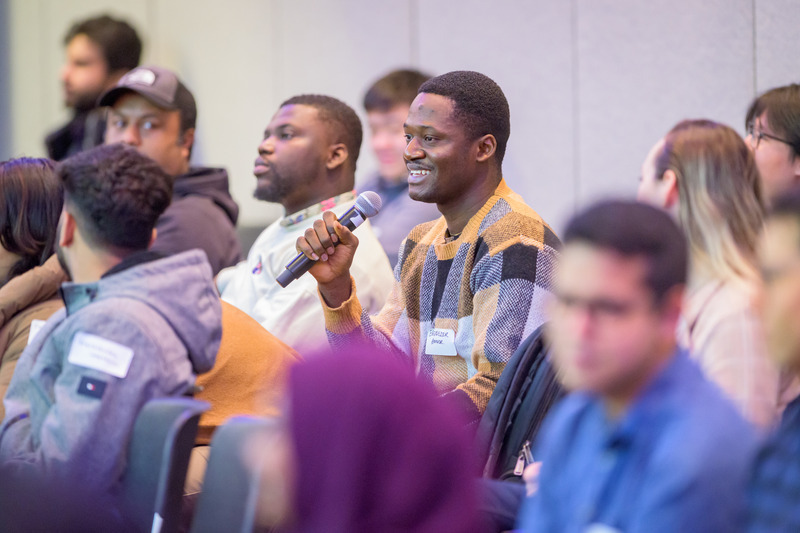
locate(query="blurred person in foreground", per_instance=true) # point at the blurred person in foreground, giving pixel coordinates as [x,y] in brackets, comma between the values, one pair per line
[702,173]
[774,491]
[367,447]
[644,442]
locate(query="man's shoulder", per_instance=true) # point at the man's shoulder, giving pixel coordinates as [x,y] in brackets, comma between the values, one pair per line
[510,221]
[698,425]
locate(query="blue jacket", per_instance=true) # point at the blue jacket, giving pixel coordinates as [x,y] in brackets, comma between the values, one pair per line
[676,461]
[138,333]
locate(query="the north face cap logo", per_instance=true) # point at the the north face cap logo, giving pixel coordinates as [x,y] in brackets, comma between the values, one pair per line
[141,76]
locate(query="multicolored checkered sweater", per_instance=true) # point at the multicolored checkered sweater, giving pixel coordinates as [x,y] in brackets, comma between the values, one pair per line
[488,287]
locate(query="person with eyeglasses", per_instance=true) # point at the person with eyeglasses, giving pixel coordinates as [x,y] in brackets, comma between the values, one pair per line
[773,134]
[644,442]
[703,174]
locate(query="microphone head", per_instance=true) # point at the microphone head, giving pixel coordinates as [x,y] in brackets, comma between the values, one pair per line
[369,203]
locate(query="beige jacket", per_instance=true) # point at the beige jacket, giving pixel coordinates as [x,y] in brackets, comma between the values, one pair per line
[30,296]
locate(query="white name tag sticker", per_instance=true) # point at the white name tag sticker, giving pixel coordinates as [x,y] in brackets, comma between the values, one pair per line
[36,327]
[101,354]
[441,342]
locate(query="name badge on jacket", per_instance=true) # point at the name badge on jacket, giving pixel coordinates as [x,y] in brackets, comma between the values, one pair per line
[441,342]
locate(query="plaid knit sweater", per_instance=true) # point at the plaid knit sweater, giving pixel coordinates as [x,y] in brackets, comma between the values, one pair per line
[485,290]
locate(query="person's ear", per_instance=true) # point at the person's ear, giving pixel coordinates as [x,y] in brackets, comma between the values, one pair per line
[487,146]
[671,308]
[186,142]
[68,227]
[153,237]
[796,168]
[337,155]
[671,194]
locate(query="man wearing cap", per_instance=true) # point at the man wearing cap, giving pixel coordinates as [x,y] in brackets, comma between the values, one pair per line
[151,110]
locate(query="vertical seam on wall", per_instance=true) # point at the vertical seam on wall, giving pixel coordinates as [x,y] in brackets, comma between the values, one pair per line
[276,36]
[755,51]
[413,44]
[150,17]
[576,142]
[43,73]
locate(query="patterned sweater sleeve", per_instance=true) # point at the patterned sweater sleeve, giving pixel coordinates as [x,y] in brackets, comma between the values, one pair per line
[350,324]
[510,286]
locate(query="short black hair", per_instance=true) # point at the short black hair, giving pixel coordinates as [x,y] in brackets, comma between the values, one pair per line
[121,46]
[116,195]
[399,87]
[31,198]
[479,104]
[636,229]
[348,130]
[782,105]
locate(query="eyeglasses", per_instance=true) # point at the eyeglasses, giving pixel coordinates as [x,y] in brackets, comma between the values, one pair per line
[758,135]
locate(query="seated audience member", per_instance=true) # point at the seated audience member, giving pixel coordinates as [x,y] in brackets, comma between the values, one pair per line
[773,134]
[136,326]
[30,204]
[702,173]
[470,285]
[307,163]
[644,443]
[773,490]
[153,111]
[249,375]
[386,103]
[248,378]
[366,447]
[99,51]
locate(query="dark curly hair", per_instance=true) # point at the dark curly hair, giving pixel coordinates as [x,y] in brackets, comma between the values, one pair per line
[479,104]
[30,205]
[116,195]
[331,110]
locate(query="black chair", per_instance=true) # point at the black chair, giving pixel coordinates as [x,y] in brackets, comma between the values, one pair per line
[158,457]
[229,499]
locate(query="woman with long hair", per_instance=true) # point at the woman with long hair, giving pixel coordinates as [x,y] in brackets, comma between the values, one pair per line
[704,174]
[30,275]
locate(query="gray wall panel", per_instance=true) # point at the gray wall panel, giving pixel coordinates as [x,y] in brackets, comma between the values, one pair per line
[777,24]
[228,59]
[527,49]
[644,66]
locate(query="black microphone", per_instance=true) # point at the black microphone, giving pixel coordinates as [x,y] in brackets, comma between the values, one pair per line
[367,205]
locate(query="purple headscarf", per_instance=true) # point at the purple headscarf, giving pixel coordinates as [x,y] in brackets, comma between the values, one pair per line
[376,450]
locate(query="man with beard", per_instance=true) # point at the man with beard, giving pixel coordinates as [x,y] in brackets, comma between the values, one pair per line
[307,163]
[99,51]
[136,326]
[154,112]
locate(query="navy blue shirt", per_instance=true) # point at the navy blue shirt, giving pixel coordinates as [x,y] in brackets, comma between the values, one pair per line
[676,461]
[774,491]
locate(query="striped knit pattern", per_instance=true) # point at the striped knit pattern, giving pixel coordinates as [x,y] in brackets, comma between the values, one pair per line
[488,286]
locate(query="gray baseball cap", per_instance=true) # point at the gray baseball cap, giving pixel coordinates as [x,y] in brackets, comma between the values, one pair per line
[159,86]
